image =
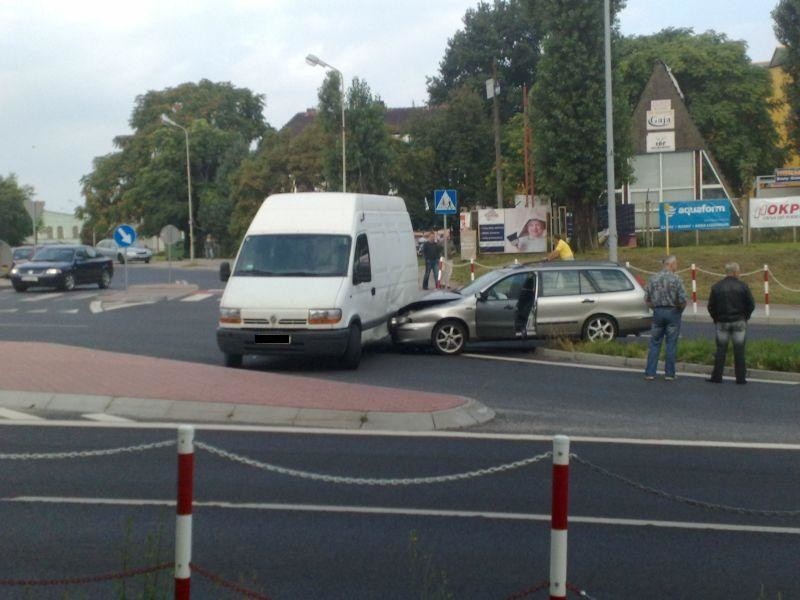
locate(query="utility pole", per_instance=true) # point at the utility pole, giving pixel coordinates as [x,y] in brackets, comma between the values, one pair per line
[610,192]
[498,158]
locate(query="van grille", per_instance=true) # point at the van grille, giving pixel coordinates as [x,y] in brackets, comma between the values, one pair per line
[252,321]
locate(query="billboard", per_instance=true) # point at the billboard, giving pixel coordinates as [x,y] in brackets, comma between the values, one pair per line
[775,212]
[695,214]
[513,230]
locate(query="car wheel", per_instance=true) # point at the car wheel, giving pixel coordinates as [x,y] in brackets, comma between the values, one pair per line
[121,258]
[233,360]
[600,328]
[449,337]
[146,260]
[105,279]
[69,282]
[352,355]
[20,287]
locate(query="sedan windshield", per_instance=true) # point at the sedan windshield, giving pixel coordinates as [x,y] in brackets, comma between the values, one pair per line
[54,255]
[482,282]
[294,255]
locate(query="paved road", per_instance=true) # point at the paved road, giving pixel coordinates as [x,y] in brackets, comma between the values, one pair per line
[528,395]
[482,538]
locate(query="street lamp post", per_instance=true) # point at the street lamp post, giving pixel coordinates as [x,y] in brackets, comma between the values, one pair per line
[168,121]
[315,61]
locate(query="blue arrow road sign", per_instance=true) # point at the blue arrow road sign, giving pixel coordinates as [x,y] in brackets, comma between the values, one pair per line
[445,202]
[124,235]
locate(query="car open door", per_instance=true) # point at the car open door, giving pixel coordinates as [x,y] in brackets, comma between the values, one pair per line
[496,308]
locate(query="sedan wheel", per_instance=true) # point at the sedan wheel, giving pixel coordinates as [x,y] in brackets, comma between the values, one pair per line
[69,282]
[600,328]
[449,337]
[105,279]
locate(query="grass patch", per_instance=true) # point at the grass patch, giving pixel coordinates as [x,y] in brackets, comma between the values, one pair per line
[780,256]
[768,355]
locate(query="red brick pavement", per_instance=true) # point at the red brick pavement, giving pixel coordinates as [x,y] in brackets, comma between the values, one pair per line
[54,368]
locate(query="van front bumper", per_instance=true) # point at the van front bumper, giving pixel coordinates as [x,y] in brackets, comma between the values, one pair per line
[301,342]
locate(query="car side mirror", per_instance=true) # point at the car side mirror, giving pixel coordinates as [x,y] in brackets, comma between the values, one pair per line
[481,296]
[224,271]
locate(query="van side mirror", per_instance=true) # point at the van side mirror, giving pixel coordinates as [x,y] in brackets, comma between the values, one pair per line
[224,271]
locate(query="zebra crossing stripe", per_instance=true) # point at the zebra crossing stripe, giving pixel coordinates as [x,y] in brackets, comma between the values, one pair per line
[196,297]
[14,415]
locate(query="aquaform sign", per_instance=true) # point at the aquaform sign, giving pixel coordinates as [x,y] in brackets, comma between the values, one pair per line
[695,214]
[775,212]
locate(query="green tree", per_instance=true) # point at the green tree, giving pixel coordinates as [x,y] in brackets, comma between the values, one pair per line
[787,29]
[726,95]
[505,31]
[450,146]
[367,139]
[569,113]
[15,222]
[144,182]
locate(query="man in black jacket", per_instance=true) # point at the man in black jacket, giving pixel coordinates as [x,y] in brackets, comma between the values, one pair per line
[730,306]
[431,251]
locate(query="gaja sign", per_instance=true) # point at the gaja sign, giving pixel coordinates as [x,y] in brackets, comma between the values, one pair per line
[660,119]
[775,212]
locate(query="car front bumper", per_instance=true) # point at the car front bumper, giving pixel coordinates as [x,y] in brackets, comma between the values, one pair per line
[301,342]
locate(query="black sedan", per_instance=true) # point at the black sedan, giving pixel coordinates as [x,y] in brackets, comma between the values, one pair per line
[63,267]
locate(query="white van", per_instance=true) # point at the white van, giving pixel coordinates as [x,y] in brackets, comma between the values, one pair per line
[318,274]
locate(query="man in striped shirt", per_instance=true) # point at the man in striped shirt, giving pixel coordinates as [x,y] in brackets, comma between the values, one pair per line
[666,295]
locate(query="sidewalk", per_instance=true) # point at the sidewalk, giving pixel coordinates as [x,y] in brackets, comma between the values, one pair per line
[54,377]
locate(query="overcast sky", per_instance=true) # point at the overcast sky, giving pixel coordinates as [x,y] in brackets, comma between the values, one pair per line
[71,70]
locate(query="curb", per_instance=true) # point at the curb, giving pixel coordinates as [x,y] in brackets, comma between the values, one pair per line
[470,414]
[587,358]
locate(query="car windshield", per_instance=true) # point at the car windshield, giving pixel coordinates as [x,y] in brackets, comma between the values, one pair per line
[294,255]
[19,253]
[54,255]
[482,282]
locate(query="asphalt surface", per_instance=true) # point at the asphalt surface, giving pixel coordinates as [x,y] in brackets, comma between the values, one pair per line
[486,537]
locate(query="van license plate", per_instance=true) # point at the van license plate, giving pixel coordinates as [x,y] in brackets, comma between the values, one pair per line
[273,338]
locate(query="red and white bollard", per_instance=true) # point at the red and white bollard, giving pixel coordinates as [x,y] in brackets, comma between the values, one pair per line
[183,519]
[441,270]
[472,269]
[694,288]
[766,290]
[558,518]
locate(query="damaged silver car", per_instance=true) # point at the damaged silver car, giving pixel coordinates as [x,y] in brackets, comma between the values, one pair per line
[594,301]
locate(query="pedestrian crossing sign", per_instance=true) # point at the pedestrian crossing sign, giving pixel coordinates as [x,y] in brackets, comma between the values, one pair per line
[445,202]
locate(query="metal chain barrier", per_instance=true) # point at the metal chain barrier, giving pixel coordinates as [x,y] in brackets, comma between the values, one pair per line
[529,591]
[85,580]
[752,512]
[370,480]
[234,587]
[775,279]
[86,453]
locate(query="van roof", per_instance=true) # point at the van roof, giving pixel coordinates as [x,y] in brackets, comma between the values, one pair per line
[318,212]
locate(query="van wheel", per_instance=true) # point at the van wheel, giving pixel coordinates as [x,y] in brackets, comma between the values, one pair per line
[600,328]
[449,337]
[233,360]
[68,284]
[352,356]
[105,279]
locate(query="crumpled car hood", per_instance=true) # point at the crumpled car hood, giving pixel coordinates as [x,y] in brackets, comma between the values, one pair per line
[431,299]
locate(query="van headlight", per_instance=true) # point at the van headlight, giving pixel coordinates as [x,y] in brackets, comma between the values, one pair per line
[53,272]
[14,271]
[230,315]
[324,316]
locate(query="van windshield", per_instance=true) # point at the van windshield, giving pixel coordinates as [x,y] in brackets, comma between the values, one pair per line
[294,255]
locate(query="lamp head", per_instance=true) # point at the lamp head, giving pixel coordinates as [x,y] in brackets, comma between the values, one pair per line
[313,60]
[167,120]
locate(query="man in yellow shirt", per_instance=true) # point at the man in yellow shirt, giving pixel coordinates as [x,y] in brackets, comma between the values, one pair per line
[561,250]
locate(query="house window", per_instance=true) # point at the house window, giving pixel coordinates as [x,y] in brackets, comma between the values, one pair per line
[48,231]
[75,232]
[60,232]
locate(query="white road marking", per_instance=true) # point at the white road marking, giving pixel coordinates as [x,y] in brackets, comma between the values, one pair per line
[14,415]
[69,311]
[84,296]
[96,307]
[108,307]
[512,437]
[105,417]
[40,297]
[552,363]
[8,310]
[417,512]
[196,297]
[37,311]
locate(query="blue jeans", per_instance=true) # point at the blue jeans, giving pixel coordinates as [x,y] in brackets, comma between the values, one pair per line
[666,324]
[430,266]
[736,332]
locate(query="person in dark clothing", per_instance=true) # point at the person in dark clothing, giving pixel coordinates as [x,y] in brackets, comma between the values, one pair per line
[431,251]
[730,305]
[525,305]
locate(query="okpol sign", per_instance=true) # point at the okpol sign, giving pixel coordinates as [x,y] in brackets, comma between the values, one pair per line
[775,212]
